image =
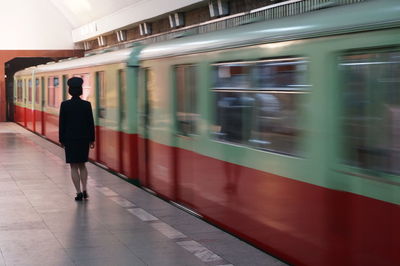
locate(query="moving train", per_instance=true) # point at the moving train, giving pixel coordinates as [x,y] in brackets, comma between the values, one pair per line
[285,133]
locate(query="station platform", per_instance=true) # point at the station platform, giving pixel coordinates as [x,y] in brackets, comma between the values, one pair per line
[120,224]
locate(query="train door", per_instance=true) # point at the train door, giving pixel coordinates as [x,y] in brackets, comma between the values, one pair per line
[25,101]
[100,111]
[64,87]
[185,132]
[123,153]
[30,118]
[368,131]
[42,103]
[107,112]
[38,125]
[144,123]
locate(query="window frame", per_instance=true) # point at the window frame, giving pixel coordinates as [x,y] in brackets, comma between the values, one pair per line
[347,168]
[37,90]
[193,129]
[254,89]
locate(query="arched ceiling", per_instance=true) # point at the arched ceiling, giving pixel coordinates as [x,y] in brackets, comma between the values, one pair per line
[81,12]
[91,18]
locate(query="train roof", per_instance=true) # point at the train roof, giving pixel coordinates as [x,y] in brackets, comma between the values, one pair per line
[26,71]
[117,56]
[331,21]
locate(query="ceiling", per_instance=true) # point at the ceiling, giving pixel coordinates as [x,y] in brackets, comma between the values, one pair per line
[91,18]
[81,12]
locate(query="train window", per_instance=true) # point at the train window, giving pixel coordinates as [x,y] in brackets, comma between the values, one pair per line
[37,91]
[186,92]
[50,92]
[145,93]
[57,95]
[122,87]
[263,112]
[102,94]
[86,86]
[233,75]
[30,90]
[19,90]
[371,110]
[24,95]
[283,74]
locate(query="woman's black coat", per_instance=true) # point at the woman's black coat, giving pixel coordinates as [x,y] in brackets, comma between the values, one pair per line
[76,121]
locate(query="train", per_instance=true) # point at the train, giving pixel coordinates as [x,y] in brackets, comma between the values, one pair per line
[284,133]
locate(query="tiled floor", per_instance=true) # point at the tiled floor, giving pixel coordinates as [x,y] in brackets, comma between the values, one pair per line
[41,224]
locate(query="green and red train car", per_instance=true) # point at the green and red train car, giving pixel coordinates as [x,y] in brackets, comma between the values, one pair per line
[285,132]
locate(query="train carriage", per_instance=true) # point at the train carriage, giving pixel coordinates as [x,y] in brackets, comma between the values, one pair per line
[105,86]
[282,132]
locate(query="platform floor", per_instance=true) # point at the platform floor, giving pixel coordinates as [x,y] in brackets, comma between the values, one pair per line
[121,224]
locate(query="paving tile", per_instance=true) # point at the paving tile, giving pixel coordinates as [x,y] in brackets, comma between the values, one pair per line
[165,254]
[126,260]
[141,239]
[22,226]
[33,256]
[87,253]
[86,239]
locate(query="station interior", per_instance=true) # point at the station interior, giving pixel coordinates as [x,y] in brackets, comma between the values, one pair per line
[223,132]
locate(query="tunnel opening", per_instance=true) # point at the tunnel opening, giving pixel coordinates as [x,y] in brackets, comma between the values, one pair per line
[13,66]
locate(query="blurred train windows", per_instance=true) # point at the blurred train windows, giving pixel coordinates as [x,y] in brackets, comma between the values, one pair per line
[262,112]
[30,90]
[19,90]
[186,92]
[284,74]
[57,92]
[37,91]
[146,87]
[53,92]
[86,86]
[24,90]
[122,97]
[50,92]
[371,111]
[102,94]
[233,75]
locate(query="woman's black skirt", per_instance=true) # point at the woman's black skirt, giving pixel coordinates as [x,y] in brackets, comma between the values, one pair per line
[77,151]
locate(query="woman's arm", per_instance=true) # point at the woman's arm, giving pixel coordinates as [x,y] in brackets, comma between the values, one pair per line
[91,124]
[61,125]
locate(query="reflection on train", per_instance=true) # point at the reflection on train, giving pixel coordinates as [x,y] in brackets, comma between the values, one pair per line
[371,110]
[285,133]
[258,102]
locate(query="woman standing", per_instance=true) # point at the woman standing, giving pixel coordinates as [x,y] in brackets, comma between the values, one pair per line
[76,135]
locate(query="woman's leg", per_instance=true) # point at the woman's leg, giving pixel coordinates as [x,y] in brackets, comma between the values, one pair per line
[75,176]
[83,175]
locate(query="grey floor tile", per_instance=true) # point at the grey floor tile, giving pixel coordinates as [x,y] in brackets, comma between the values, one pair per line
[28,250]
[166,255]
[90,253]
[87,239]
[127,260]
[49,257]
[147,238]
[22,226]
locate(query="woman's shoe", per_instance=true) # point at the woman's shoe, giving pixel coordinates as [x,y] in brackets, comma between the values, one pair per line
[85,194]
[79,196]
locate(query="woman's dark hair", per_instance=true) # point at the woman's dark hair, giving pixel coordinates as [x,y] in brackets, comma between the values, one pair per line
[75,86]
